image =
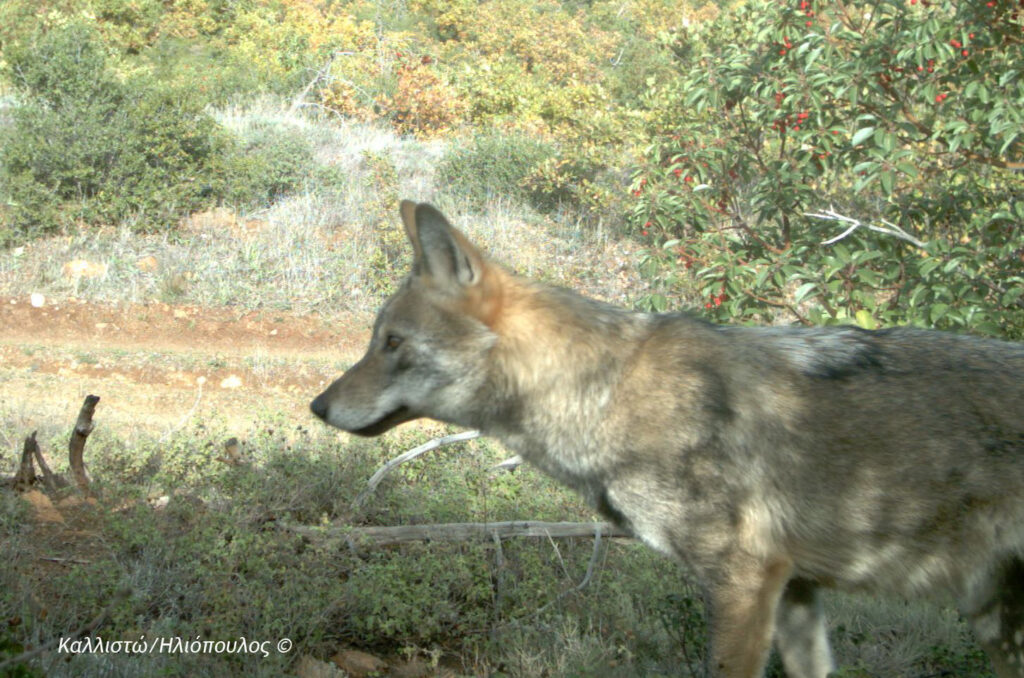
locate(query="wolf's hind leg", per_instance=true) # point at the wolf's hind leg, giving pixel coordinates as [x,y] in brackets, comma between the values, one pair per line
[997,617]
[800,634]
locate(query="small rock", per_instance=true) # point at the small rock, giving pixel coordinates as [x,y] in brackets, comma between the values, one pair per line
[231,382]
[82,268]
[412,669]
[359,664]
[308,667]
[147,264]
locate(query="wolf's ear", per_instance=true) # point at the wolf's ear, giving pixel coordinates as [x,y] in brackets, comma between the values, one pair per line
[440,250]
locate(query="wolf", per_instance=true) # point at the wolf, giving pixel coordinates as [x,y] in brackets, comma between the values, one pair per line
[774,461]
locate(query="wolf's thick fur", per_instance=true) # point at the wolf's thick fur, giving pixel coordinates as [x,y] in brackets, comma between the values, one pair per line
[772,460]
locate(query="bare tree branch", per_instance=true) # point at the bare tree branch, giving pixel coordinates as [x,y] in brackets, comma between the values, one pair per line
[321,74]
[889,228]
[892,229]
[593,561]
[377,477]
[509,464]
[76,448]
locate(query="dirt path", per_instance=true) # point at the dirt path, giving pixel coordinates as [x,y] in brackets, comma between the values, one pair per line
[155,364]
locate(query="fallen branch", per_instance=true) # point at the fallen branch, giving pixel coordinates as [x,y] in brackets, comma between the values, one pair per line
[578,587]
[377,477]
[76,448]
[386,535]
[61,561]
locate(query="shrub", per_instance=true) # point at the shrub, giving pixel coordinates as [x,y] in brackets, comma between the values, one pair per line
[911,113]
[423,103]
[267,162]
[86,147]
[495,165]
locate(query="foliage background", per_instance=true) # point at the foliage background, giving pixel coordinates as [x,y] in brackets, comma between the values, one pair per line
[733,125]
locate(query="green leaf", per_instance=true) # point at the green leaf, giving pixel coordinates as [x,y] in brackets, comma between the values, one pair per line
[864,319]
[888,180]
[861,134]
[803,291]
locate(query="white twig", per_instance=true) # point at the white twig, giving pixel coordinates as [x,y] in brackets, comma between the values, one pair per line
[317,77]
[558,554]
[509,464]
[593,561]
[897,232]
[888,229]
[375,479]
[499,573]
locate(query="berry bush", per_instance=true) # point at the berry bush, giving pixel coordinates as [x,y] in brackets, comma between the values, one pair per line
[903,116]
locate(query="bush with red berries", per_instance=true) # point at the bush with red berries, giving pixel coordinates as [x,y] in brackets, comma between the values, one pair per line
[906,116]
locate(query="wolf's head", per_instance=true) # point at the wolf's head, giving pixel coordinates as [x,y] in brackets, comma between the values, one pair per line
[431,341]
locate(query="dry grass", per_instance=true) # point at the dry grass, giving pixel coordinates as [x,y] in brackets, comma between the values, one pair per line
[308,251]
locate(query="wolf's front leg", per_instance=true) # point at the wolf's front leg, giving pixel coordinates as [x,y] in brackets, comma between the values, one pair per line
[800,632]
[745,594]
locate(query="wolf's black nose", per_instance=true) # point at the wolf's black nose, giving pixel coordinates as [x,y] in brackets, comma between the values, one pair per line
[319,406]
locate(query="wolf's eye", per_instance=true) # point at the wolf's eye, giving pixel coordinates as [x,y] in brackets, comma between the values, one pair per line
[392,342]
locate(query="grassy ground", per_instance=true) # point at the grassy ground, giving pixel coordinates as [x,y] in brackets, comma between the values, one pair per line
[182,545]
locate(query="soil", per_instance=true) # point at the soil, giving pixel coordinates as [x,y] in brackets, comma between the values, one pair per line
[154,364]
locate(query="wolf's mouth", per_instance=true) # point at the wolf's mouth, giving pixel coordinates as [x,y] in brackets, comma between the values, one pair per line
[402,414]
